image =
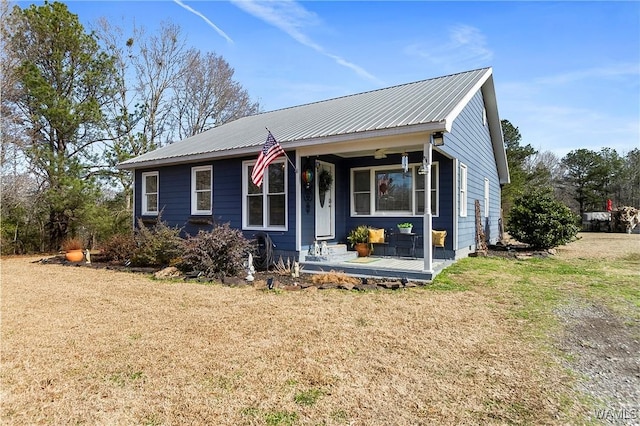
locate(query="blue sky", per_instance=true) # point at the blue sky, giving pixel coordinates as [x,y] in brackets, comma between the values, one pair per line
[566,73]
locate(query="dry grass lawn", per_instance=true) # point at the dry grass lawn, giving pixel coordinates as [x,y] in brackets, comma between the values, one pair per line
[85,346]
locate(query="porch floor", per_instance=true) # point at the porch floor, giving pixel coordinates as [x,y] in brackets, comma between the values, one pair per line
[382,267]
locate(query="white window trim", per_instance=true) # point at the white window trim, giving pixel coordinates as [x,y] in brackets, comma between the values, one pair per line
[145,207]
[486,197]
[245,189]
[463,189]
[372,174]
[194,198]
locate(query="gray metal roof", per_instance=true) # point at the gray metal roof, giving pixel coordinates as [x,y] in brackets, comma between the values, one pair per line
[400,108]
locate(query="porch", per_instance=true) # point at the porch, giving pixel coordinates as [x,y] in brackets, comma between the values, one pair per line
[384,267]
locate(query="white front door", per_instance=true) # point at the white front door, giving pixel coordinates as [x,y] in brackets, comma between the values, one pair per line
[325,203]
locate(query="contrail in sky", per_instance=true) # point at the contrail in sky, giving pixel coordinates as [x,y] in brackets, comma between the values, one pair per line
[211,24]
[292,18]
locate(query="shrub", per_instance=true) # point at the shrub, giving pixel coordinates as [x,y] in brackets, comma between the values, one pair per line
[538,219]
[72,244]
[158,245]
[220,252]
[119,248]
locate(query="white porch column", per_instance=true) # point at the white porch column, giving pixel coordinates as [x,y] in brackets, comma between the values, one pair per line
[427,224]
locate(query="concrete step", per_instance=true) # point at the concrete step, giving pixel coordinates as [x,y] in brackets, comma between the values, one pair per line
[334,253]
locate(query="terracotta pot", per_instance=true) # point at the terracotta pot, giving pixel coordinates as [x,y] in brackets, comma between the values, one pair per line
[363,249]
[74,255]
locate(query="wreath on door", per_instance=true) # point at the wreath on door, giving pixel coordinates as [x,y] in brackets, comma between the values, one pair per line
[325,180]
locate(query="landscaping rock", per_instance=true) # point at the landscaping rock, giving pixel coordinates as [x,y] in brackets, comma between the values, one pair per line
[167,273]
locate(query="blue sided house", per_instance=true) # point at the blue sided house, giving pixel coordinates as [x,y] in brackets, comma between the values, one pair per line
[428,153]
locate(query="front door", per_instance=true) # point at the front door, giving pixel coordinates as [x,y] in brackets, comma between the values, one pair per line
[325,202]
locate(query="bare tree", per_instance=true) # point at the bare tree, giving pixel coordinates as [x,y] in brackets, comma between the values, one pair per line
[159,63]
[207,96]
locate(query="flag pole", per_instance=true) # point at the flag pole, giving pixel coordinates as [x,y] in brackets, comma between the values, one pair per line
[285,152]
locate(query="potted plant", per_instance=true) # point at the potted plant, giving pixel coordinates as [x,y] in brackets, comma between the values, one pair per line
[405,227]
[73,249]
[359,239]
[325,180]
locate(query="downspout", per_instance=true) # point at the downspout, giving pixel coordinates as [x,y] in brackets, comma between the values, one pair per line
[427,220]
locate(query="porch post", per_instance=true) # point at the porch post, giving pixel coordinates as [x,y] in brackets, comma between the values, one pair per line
[427,224]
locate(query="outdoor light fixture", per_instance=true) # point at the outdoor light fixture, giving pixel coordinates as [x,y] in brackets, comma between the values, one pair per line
[437,139]
[423,168]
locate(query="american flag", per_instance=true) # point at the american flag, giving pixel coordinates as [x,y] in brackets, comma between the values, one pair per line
[270,151]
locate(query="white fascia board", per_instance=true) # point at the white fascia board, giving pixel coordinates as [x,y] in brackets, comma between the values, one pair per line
[466,99]
[319,142]
[495,130]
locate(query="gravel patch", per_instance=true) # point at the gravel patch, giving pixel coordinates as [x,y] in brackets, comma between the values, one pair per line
[604,350]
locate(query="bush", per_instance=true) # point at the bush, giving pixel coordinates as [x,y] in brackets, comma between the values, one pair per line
[118,248]
[159,245]
[220,252]
[538,219]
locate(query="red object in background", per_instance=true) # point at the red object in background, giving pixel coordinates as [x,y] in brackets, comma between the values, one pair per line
[609,208]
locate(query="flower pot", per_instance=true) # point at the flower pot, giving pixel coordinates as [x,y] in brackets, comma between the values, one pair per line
[362,249]
[405,230]
[74,255]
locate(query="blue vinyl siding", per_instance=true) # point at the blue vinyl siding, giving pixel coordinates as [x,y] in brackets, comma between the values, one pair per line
[175,199]
[469,141]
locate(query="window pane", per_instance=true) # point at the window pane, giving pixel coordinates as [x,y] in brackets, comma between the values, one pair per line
[276,178]
[394,191]
[203,180]
[151,184]
[363,203]
[433,202]
[420,179]
[253,189]
[152,202]
[204,200]
[361,182]
[276,210]
[255,211]
[420,202]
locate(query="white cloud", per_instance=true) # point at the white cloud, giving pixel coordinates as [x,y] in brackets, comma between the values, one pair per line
[292,19]
[466,47]
[211,24]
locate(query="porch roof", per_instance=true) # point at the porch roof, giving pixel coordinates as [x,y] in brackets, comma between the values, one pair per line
[424,106]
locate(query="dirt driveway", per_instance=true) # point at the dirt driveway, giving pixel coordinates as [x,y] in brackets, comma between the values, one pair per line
[603,347]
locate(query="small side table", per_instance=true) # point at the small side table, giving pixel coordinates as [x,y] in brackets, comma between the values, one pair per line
[406,242]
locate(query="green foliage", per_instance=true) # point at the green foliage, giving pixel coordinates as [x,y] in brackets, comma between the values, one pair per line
[516,157]
[220,252]
[598,176]
[64,79]
[359,234]
[118,248]
[159,245]
[308,397]
[541,221]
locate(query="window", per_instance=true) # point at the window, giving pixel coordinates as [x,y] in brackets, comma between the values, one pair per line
[388,191]
[265,206]
[435,178]
[463,190]
[201,190]
[486,197]
[150,193]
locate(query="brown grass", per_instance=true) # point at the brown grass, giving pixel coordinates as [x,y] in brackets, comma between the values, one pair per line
[103,347]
